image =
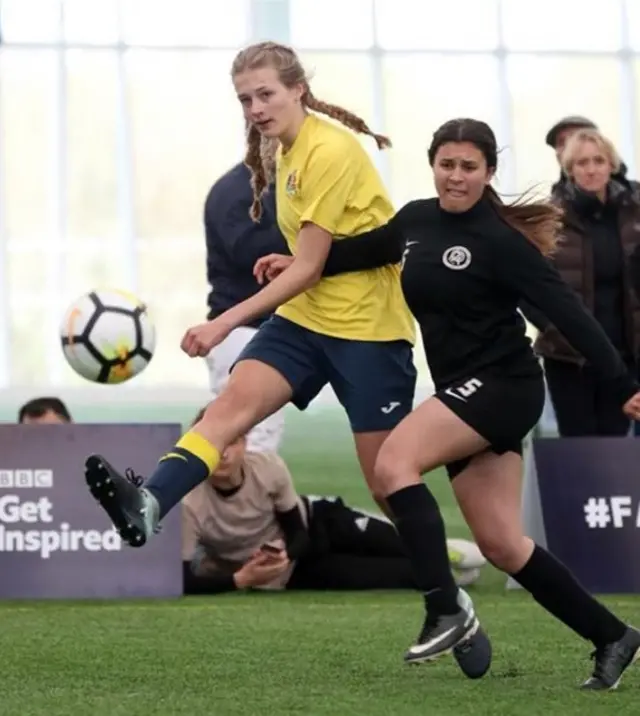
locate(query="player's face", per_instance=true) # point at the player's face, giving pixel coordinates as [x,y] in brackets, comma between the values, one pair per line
[48,418]
[591,168]
[230,462]
[267,103]
[461,174]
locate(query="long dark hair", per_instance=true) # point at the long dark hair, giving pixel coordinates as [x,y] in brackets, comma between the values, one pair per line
[539,221]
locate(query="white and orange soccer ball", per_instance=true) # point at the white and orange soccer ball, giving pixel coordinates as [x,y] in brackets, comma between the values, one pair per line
[107,336]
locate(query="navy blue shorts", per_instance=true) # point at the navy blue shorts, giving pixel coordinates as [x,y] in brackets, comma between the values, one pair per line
[373,380]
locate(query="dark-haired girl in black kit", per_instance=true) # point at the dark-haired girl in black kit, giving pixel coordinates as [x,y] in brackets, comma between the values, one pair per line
[468,261]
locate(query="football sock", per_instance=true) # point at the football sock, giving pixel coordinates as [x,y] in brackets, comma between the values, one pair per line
[421,528]
[553,586]
[184,467]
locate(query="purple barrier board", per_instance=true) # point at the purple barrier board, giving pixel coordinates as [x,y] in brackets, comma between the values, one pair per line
[55,540]
[589,492]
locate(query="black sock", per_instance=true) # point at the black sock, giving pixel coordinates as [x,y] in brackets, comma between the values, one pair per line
[421,528]
[184,467]
[553,586]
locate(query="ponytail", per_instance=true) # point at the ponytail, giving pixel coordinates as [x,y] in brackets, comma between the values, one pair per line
[539,222]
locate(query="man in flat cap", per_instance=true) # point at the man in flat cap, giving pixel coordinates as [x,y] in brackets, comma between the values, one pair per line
[557,138]
[558,134]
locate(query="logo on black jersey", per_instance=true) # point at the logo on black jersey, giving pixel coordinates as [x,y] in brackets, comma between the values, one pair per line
[456,258]
[405,253]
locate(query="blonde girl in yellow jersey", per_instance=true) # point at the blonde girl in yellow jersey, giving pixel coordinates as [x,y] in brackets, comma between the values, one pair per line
[352,331]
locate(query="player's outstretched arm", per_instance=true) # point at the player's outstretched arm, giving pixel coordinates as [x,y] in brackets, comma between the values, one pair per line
[373,249]
[304,272]
[522,267]
[379,247]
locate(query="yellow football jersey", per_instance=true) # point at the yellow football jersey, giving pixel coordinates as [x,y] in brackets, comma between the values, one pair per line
[328,179]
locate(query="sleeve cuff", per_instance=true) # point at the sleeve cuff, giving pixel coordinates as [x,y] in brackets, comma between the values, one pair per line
[625,387]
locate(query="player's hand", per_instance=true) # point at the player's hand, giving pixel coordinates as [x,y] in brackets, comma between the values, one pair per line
[262,553]
[632,407]
[199,340]
[270,266]
[276,544]
[261,569]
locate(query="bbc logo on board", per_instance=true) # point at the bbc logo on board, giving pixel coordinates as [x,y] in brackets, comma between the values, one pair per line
[16,479]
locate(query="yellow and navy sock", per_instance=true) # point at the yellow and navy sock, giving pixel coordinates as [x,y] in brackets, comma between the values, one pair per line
[184,467]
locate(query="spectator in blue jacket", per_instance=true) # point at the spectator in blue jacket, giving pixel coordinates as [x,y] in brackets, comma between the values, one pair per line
[234,244]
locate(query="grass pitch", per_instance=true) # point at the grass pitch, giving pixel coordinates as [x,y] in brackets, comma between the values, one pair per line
[324,654]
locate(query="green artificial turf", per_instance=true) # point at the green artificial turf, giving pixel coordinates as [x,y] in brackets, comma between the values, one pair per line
[324,654]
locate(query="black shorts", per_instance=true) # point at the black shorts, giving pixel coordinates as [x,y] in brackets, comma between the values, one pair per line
[503,410]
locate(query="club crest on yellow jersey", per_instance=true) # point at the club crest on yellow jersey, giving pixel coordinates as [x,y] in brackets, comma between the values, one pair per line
[291,187]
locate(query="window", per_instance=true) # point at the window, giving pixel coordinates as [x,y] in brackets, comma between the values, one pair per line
[28,343]
[345,79]
[172,281]
[205,23]
[30,20]
[27,272]
[332,24]
[100,265]
[31,132]
[411,24]
[545,89]
[187,130]
[562,25]
[462,86]
[342,79]
[172,273]
[633,19]
[92,146]
[28,110]
[93,22]
[170,365]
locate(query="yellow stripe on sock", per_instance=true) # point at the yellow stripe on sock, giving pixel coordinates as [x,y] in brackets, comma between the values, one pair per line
[201,448]
[173,456]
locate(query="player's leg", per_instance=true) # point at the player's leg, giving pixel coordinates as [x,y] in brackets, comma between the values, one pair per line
[488,492]
[431,436]
[375,382]
[275,367]
[266,436]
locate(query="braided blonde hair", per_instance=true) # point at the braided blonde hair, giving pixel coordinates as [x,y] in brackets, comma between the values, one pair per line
[259,156]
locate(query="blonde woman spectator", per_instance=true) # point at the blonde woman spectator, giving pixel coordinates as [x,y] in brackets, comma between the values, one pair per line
[599,258]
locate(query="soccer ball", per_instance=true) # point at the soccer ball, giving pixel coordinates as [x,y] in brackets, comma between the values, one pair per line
[107,336]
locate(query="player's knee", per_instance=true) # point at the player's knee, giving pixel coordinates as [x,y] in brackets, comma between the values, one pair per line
[392,471]
[230,414]
[506,553]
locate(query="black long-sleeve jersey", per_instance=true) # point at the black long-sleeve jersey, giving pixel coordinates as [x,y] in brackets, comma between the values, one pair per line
[463,277]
